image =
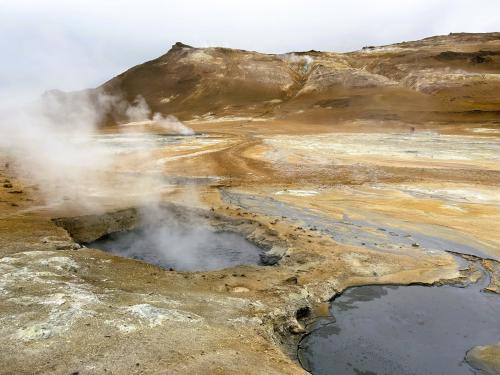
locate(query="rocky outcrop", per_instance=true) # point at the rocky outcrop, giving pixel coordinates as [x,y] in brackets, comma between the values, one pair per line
[91,227]
[485,358]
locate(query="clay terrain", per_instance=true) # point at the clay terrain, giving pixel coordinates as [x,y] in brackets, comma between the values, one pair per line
[378,166]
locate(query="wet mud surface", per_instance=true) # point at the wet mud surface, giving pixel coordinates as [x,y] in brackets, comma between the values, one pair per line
[402,330]
[180,248]
[349,231]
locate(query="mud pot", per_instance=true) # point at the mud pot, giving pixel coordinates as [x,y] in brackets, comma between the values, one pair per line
[174,238]
[402,330]
[181,248]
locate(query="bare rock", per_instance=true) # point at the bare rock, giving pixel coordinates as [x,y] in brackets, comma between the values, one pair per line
[485,358]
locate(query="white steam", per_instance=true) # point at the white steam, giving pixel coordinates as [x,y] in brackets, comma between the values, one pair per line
[52,143]
[181,241]
[293,58]
[139,114]
[55,144]
[139,110]
[171,123]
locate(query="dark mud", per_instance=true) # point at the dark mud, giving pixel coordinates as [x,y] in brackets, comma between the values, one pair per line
[181,248]
[402,330]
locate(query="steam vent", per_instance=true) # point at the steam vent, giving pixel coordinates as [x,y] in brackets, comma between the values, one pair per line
[221,211]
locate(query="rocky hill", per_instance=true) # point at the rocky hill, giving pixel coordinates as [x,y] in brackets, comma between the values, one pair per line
[452,77]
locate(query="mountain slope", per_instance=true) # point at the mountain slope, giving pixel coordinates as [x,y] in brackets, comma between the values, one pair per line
[455,76]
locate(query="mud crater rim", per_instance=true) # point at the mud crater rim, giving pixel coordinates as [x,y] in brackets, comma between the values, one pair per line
[174,238]
[222,250]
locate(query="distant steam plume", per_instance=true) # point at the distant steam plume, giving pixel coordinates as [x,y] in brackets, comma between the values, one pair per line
[139,114]
[293,58]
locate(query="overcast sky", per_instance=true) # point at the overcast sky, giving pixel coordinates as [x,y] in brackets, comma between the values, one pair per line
[71,45]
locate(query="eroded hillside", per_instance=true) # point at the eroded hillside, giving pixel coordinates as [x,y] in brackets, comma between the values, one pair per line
[452,77]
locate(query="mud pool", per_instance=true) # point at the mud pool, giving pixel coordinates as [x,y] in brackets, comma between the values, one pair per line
[181,248]
[402,330]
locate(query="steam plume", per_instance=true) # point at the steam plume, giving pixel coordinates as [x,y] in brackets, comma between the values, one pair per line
[52,143]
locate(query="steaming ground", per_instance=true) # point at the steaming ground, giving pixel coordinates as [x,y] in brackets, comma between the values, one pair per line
[52,143]
[191,245]
[199,250]
[357,180]
[390,225]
